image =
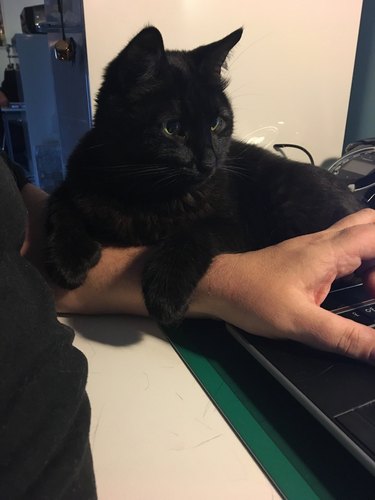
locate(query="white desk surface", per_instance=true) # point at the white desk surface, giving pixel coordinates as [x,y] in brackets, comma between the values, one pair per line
[155,435]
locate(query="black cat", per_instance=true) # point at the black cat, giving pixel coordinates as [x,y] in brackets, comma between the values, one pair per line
[160,168]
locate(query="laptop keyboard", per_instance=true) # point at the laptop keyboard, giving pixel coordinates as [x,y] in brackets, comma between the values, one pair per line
[364,314]
[353,303]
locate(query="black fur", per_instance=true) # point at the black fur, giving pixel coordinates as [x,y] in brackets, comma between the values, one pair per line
[160,168]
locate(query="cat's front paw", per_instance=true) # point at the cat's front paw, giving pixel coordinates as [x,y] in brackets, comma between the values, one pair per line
[68,267]
[166,303]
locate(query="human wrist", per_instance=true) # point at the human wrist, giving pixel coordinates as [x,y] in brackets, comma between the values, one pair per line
[233,290]
[214,292]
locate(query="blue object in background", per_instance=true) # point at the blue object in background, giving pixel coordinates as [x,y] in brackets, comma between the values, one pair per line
[38,93]
[71,83]
[56,108]
[361,114]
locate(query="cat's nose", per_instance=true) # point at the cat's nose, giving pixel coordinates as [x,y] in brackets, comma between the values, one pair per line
[208,162]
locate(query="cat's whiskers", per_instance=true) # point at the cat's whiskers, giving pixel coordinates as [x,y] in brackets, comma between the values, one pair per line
[172,174]
[236,169]
[138,166]
[239,153]
[97,146]
[147,170]
[130,168]
[167,180]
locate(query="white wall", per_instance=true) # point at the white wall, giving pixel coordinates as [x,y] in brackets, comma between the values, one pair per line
[11,10]
[11,14]
[290,74]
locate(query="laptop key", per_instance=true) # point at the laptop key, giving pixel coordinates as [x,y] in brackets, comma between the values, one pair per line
[359,427]
[360,316]
[369,311]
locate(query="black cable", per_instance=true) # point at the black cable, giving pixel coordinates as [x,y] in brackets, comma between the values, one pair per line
[279,149]
[60,9]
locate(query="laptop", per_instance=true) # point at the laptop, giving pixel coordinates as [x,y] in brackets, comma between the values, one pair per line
[338,391]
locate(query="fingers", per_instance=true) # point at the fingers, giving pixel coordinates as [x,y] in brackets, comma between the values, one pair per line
[353,248]
[365,216]
[331,332]
[369,281]
[353,243]
[356,233]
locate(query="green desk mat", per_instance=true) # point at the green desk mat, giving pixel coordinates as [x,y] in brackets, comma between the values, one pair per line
[297,453]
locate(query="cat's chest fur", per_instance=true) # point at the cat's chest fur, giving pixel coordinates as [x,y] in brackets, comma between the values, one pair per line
[111,221]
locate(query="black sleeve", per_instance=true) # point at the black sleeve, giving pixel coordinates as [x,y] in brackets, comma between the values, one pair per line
[10,84]
[16,169]
[44,408]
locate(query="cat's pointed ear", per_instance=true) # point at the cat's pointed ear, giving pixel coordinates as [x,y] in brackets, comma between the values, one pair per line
[210,58]
[143,55]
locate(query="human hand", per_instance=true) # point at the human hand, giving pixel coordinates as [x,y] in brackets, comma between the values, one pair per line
[3,100]
[276,292]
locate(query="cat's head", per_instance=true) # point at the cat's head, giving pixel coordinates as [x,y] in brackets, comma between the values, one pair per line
[166,111]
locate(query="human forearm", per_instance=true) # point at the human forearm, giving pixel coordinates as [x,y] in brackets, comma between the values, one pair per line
[277,292]
[113,286]
[274,292]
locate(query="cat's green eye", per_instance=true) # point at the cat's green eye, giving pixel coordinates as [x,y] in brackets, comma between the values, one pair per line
[172,127]
[217,125]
